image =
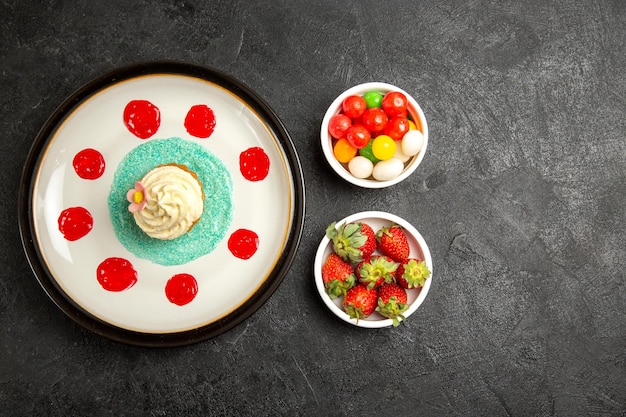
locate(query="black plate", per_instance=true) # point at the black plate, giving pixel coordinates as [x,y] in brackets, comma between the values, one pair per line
[30,228]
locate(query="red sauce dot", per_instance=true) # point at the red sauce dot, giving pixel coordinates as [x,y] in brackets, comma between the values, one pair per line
[142,118]
[200,121]
[75,222]
[89,164]
[254,164]
[181,289]
[116,274]
[243,243]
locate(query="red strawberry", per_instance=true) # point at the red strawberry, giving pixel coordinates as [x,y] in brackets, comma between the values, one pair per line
[376,270]
[360,301]
[412,273]
[392,302]
[353,242]
[337,276]
[393,242]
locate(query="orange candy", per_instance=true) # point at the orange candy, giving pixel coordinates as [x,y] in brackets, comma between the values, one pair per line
[344,151]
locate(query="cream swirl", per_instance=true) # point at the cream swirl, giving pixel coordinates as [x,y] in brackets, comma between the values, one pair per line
[174,202]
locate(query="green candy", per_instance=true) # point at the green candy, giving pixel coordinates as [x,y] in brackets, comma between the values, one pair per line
[373,99]
[368,153]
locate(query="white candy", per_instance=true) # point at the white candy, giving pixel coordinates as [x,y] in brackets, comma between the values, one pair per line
[360,167]
[388,170]
[401,155]
[412,142]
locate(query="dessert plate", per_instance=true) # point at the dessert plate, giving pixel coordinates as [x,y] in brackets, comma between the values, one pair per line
[90,264]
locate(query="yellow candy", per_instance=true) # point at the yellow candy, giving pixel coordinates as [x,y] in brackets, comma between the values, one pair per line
[412,125]
[344,151]
[383,147]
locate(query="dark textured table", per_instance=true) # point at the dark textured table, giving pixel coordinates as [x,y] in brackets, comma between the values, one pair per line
[521,198]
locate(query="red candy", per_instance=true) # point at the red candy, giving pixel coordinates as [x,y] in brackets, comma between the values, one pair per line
[374,119]
[358,136]
[395,104]
[338,126]
[396,128]
[354,106]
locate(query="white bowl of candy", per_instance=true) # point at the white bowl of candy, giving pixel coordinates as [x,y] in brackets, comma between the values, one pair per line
[373,269]
[374,135]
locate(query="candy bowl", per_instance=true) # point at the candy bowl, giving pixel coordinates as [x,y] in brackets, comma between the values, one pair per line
[374,135]
[418,251]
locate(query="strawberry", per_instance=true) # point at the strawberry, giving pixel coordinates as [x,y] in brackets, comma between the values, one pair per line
[393,242]
[376,270]
[392,302]
[360,301]
[353,242]
[412,273]
[337,276]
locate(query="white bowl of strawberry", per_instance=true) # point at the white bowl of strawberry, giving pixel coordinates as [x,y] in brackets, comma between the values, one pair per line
[374,135]
[373,269]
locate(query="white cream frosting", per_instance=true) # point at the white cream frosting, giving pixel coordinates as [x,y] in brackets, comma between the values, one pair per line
[174,202]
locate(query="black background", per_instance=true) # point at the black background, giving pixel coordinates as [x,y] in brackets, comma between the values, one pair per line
[521,198]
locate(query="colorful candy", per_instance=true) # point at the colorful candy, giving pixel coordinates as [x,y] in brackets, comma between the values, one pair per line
[401,155]
[374,135]
[373,99]
[358,136]
[412,142]
[354,106]
[344,151]
[388,170]
[367,152]
[374,119]
[338,125]
[395,104]
[361,167]
[397,127]
[383,147]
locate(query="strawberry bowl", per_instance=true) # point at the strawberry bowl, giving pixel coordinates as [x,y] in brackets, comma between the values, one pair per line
[338,294]
[374,135]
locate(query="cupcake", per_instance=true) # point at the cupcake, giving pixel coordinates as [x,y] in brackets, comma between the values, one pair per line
[167,202]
